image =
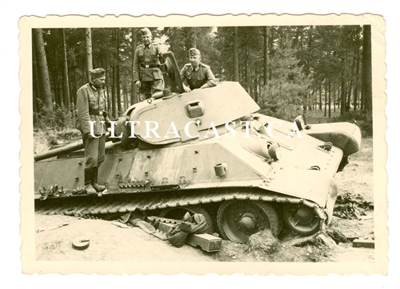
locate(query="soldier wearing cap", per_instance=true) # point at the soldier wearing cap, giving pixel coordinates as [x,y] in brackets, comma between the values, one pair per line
[147,74]
[196,74]
[91,106]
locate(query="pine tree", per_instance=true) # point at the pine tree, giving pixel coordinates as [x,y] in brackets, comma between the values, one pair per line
[288,89]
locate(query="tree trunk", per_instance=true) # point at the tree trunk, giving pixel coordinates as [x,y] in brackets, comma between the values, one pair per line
[329,99]
[117,73]
[343,90]
[46,94]
[134,98]
[89,58]
[118,87]
[36,84]
[334,97]
[65,71]
[256,84]
[75,84]
[265,55]
[367,69]
[325,100]
[350,86]
[236,55]
[53,69]
[109,89]
[114,93]
[320,97]
[125,95]
[355,91]
[246,70]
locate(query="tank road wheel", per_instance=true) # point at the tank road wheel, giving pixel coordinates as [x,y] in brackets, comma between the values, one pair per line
[178,213]
[301,219]
[237,220]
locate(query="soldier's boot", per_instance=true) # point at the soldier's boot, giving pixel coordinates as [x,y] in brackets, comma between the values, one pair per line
[88,181]
[96,186]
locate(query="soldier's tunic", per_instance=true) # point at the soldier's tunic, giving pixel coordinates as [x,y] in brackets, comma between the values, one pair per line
[146,68]
[201,77]
[90,104]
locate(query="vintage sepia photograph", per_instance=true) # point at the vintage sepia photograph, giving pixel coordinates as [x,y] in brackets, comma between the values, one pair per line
[217,143]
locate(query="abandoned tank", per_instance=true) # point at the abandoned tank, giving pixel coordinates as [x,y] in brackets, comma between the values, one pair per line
[207,151]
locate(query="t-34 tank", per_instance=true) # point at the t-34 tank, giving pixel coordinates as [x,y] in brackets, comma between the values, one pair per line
[209,151]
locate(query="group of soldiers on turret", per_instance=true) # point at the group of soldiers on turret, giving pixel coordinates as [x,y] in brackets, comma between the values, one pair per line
[147,74]
[148,77]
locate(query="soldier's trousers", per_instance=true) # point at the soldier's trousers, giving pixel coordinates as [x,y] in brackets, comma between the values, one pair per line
[94,150]
[147,88]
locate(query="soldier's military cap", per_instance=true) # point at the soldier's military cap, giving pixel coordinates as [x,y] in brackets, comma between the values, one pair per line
[97,73]
[145,31]
[194,52]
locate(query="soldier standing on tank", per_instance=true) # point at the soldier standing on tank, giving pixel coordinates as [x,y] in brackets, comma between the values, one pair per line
[147,74]
[91,106]
[196,74]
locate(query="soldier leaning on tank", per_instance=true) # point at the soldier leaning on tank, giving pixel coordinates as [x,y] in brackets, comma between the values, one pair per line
[147,74]
[91,106]
[196,74]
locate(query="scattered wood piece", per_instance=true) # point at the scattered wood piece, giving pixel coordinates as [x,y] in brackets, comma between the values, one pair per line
[363,243]
[206,242]
[51,228]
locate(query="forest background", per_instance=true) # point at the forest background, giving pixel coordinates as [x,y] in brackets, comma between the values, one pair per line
[322,72]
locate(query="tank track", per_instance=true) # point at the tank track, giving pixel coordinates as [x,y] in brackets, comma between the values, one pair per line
[83,205]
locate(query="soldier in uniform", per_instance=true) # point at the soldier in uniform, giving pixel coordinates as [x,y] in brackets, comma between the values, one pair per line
[196,74]
[91,104]
[147,74]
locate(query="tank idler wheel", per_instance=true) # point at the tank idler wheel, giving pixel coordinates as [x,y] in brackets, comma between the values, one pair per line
[237,219]
[178,213]
[301,219]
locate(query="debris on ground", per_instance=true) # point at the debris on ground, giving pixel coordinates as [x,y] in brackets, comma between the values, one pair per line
[263,242]
[51,228]
[325,240]
[81,243]
[121,225]
[300,241]
[364,243]
[351,206]
[146,227]
[191,232]
[191,224]
[337,236]
[206,242]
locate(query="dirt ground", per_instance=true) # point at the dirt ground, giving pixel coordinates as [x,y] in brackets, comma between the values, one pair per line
[109,242]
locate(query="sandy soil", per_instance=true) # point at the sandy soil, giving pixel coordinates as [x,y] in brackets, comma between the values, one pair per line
[109,242]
